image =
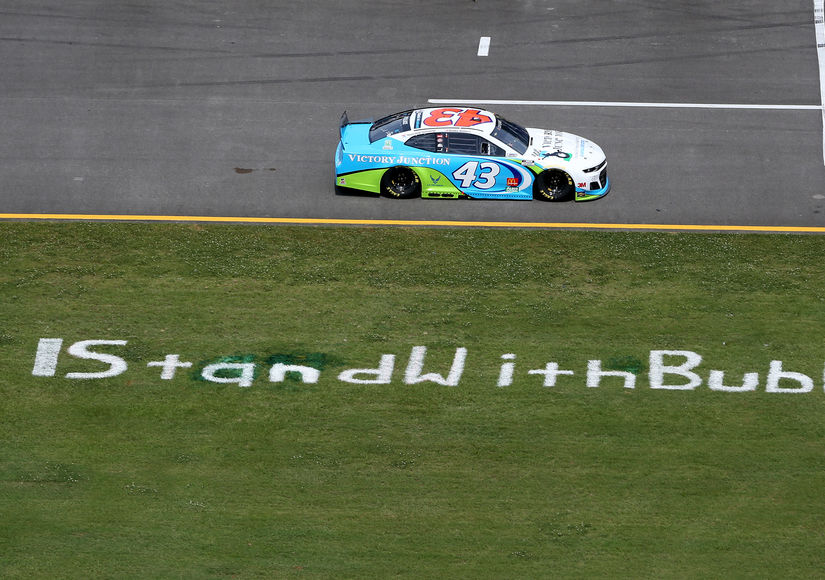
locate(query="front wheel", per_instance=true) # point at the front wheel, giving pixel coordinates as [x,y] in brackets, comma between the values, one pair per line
[400,183]
[553,185]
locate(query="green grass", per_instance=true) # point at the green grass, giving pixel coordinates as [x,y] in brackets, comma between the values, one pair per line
[138,477]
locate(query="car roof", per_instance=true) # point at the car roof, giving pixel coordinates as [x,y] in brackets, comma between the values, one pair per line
[453,118]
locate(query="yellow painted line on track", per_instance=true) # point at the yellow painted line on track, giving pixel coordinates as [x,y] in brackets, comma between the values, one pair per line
[439,223]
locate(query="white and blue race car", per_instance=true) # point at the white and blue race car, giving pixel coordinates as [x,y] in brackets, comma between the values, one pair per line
[455,152]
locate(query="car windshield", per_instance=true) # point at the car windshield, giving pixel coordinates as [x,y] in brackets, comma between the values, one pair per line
[512,135]
[390,125]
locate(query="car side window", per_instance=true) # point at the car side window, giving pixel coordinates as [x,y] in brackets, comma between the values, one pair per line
[462,144]
[491,149]
[427,142]
[455,143]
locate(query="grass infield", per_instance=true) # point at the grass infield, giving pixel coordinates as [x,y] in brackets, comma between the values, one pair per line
[138,476]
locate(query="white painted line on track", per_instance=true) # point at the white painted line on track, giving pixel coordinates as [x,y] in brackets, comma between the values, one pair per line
[484,46]
[625,104]
[819,25]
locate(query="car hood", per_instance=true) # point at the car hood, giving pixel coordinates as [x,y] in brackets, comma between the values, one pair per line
[556,148]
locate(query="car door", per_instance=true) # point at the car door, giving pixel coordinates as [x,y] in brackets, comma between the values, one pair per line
[474,166]
[479,167]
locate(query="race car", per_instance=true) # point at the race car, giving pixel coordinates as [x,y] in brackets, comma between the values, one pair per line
[460,153]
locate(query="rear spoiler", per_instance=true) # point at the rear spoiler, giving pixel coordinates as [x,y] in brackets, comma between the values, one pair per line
[345,121]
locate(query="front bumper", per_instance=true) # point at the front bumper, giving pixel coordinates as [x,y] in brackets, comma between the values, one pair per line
[590,194]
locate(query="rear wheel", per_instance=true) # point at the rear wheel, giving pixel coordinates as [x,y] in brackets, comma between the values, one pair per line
[400,183]
[553,185]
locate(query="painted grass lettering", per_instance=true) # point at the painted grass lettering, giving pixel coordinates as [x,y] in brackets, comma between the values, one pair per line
[668,370]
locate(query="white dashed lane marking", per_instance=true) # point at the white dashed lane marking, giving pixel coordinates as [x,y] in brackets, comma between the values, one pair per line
[484,46]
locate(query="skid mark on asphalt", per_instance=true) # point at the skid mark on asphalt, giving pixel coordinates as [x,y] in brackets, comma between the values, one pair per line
[245,170]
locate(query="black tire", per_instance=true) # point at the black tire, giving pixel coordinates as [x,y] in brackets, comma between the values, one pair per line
[400,183]
[553,185]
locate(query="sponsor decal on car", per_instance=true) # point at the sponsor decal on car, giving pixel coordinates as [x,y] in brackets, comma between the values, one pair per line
[399,160]
[560,154]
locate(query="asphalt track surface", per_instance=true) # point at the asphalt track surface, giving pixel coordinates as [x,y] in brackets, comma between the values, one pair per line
[231,109]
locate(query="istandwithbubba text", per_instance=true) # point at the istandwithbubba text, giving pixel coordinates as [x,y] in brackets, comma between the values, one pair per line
[668,370]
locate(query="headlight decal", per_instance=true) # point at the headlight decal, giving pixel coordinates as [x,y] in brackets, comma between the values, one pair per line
[596,168]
